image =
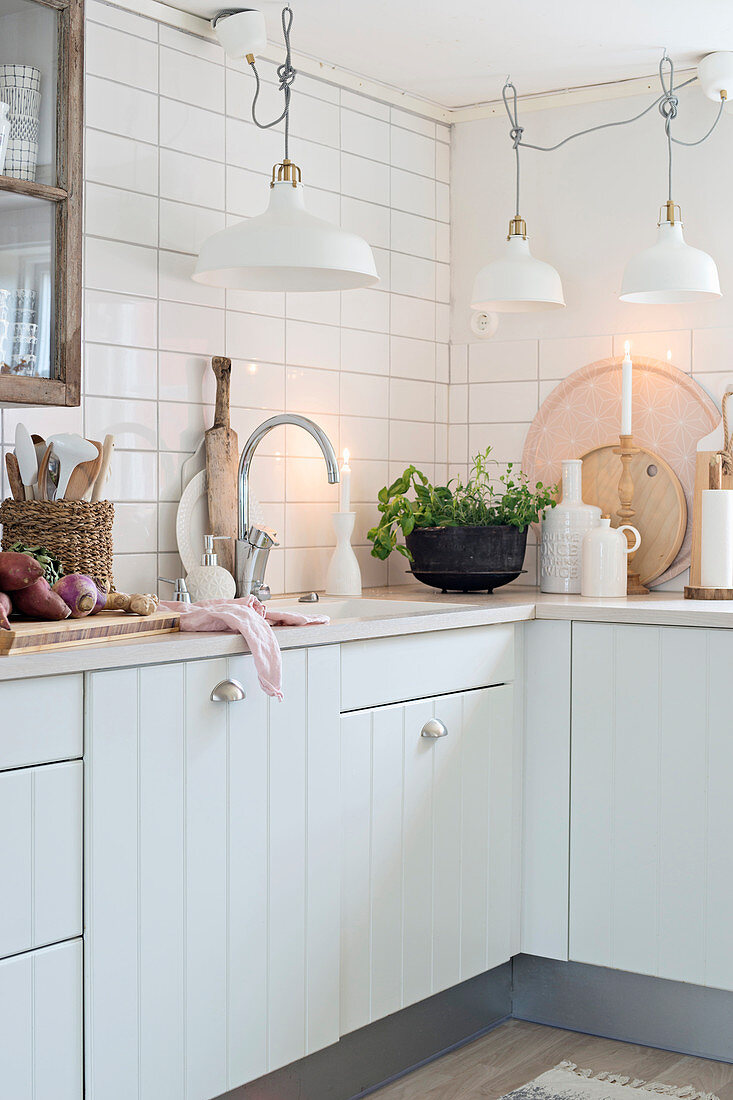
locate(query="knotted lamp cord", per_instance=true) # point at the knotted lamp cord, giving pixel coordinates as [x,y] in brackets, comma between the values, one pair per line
[286,75]
[667,102]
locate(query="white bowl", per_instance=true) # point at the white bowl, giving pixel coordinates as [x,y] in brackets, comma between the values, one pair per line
[20,76]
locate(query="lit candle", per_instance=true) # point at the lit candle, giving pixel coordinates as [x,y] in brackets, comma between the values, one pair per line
[345,505]
[626,372]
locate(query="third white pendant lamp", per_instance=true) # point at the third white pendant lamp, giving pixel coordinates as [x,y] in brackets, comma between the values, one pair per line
[285,248]
[516,282]
[671,272]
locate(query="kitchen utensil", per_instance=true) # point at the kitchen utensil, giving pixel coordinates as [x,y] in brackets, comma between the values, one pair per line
[84,475]
[107,626]
[192,520]
[15,481]
[604,553]
[671,412]
[43,475]
[659,504]
[222,462]
[563,529]
[70,450]
[25,452]
[107,449]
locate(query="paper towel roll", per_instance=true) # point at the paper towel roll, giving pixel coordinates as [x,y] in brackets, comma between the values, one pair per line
[716,557]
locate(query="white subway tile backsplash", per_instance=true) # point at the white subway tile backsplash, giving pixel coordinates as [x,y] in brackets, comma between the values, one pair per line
[175,270]
[458,404]
[352,101]
[249,336]
[122,57]
[442,202]
[364,395]
[412,317]
[191,80]
[413,152]
[132,423]
[442,363]
[120,319]
[121,20]
[407,121]
[258,385]
[313,345]
[412,193]
[365,179]
[459,364]
[321,165]
[191,43]
[117,109]
[192,130]
[413,235]
[324,307]
[247,193]
[270,304]
[121,162]
[411,442]
[182,424]
[505,361]
[135,528]
[658,345]
[364,352]
[442,162]
[120,372]
[121,215]
[364,135]
[712,350]
[367,219]
[187,178]
[365,437]
[442,283]
[506,440]
[187,378]
[191,328]
[367,309]
[123,268]
[410,400]
[412,358]
[311,391]
[504,402]
[133,475]
[442,322]
[559,358]
[413,275]
[183,228]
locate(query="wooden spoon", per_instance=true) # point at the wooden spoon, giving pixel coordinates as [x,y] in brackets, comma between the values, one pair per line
[84,475]
[43,473]
[107,449]
[15,481]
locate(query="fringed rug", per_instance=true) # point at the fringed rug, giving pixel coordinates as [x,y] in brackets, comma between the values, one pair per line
[567,1082]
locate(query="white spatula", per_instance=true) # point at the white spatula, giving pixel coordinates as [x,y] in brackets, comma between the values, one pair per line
[70,450]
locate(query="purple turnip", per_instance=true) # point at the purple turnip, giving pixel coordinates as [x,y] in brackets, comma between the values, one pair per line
[5,608]
[78,592]
[101,602]
[39,601]
[18,571]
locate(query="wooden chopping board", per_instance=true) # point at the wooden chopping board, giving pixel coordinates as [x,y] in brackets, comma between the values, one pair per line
[222,462]
[659,503]
[107,626]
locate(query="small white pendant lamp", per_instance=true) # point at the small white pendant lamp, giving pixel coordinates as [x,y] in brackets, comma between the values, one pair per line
[285,248]
[517,282]
[670,272]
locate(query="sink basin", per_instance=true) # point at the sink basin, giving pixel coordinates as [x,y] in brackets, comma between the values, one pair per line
[355,608]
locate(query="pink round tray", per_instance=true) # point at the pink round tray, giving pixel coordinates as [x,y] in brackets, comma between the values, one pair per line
[670,413]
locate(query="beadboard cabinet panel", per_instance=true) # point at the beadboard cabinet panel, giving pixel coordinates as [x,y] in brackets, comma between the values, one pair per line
[652,766]
[40,856]
[42,720]
[41,1024]
[213,864]
[546,782]
[427,890]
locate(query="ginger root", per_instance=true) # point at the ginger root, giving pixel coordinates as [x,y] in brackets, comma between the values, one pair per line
[135,604]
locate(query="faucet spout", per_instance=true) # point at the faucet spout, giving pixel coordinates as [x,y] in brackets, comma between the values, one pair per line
[250,551]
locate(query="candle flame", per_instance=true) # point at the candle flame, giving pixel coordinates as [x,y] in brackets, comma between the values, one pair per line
[347,456]
[627,347]
[669,355]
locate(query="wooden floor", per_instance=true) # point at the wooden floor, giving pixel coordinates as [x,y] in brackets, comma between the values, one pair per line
[516,1052]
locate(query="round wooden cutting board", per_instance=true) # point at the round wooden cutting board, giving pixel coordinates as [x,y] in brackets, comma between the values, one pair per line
[659,503]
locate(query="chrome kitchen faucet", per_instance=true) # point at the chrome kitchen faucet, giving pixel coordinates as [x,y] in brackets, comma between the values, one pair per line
[254,543]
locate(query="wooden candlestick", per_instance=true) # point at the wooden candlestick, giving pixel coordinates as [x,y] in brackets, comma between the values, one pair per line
[627,450]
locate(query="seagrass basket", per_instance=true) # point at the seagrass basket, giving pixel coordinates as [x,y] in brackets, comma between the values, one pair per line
[77,532]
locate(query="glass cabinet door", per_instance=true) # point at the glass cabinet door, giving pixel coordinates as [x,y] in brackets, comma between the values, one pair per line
[41,104]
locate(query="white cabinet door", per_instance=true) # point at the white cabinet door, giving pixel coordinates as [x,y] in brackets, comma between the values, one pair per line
[651,806]
[427,890]
[213,876]
[41,1024]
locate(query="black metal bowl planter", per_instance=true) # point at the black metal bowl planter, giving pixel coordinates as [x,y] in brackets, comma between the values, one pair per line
[467,559]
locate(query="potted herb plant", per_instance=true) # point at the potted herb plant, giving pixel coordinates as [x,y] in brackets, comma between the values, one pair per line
[466,536]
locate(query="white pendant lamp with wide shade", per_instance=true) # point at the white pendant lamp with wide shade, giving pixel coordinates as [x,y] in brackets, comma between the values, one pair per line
[516,282]
[285,248]
[670,272]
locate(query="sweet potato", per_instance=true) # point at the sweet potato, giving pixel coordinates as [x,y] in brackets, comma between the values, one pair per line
[39,601]
[18,571]
[5,608]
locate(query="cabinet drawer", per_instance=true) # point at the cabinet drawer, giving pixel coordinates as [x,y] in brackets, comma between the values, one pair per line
[40,856]
[42,720]
[41,1024]
[393,670]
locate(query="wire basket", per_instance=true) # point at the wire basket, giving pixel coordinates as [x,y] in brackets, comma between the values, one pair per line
[78,533]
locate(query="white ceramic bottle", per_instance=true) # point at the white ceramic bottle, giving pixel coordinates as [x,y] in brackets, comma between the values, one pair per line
[563,530]
[604,557]
[210,581]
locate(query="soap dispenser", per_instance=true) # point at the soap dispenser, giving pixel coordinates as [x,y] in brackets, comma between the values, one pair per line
[210,581]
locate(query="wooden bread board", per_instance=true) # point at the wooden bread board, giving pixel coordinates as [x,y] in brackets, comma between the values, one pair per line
[107,626]
[702,481]
[659,503]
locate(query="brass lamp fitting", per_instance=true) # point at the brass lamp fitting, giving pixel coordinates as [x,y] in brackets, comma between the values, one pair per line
[667,213]
[517,228]
[286,172]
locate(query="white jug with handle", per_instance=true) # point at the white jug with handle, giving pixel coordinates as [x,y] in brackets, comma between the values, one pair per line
[604,555]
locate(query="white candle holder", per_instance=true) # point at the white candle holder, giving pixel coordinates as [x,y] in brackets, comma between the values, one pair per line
[344,575]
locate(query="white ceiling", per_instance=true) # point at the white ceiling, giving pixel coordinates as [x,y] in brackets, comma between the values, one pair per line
[458,52]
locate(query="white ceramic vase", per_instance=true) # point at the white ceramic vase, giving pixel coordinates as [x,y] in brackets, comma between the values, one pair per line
[344,574]
[563,529]
[604,560]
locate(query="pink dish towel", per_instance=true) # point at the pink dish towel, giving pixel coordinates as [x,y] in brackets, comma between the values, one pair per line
[250,618]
